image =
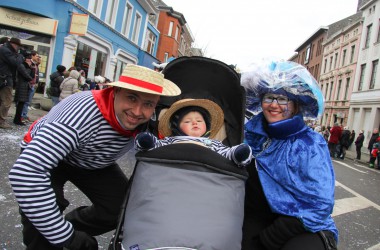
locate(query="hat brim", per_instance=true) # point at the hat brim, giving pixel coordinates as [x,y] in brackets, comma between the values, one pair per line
[216,115]
[168,88]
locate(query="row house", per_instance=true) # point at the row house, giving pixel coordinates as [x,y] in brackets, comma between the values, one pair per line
[309,53]
[340,53]
[176,38]
[99,36]
[364,111]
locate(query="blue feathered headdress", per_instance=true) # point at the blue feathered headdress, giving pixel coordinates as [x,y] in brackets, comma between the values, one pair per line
[285,78]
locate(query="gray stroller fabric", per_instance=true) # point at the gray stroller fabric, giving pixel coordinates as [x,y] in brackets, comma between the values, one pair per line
[178,204]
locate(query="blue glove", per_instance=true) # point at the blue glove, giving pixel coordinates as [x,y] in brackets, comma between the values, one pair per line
[242,155]
[145,141]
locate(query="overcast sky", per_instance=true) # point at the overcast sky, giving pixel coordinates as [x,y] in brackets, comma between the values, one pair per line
[245,31]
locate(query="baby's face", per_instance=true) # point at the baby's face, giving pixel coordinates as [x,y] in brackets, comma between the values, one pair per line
[193,124]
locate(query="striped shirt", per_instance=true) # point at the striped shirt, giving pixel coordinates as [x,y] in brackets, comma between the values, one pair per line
[214,145]
[74,131]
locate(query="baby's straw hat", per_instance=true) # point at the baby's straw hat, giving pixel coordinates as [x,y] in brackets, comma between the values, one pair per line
[145,80]
[216,115]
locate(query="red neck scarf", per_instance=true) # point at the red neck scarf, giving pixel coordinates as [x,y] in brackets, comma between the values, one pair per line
[105,100]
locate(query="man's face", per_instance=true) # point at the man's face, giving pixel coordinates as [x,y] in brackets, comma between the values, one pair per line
[133,108]
[35,58]
[193,124]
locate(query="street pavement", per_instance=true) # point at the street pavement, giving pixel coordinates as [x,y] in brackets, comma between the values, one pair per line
[356,216]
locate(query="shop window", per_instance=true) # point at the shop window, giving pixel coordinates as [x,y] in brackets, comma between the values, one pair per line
[93,62]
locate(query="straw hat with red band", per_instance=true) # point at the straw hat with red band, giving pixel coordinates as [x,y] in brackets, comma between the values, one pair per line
[145,80]
[215,112]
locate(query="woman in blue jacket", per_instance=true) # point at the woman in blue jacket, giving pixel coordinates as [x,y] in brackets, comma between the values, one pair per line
[290,192]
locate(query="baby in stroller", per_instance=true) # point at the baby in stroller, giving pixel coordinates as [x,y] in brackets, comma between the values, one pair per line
[184,195]
[194,120]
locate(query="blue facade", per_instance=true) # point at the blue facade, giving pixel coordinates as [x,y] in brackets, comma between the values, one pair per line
[115,48]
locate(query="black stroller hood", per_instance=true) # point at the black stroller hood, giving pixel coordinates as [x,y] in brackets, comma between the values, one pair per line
[201,77]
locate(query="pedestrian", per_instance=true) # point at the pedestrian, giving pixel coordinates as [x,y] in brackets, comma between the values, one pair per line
[36,60]
[375,137]
[335,134]
[69,85]
[325,132]
[55,82]
[359,144]
[352,137]
[194,121]
[290,190]
[374,155]
[9,61]
[344,142]
[24,78]
[79,141]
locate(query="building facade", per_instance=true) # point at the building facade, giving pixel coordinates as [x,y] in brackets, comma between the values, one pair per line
[364,111]
[116,33]
[340,53]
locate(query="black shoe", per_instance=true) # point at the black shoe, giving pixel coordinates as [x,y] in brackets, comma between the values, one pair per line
[20,123]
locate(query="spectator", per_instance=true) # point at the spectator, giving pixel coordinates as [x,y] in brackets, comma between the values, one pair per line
[9,61]
[375,137]
[79,140]
[69,85]
[25,77]
[36,60]
[335,134]
[352,137]
[359,144]
[55,82]
[344,142]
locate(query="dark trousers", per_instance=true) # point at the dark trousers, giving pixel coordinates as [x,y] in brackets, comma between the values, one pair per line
[358,152]
[105,188]
[19,108]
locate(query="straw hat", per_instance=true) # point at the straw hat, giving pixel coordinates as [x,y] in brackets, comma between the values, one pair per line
[216,115]
[145,80]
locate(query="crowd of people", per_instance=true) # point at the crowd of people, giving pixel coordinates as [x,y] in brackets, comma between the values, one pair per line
[290,190]
[340,139]
[18,71]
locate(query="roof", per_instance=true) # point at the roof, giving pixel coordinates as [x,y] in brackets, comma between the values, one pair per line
[317,33]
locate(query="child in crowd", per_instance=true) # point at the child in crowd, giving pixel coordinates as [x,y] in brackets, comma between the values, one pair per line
[195,121]
[374,153]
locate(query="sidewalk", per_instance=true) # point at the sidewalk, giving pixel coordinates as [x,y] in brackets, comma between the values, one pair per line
[32,114]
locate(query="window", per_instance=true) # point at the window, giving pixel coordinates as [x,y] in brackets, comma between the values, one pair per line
[352,54]
[111,12]
[150,42]
[166,56]
[373,74]
[126,20]
[95,6]
[378,34]
[347,88]
[176,33]
[368,36]
[338,91]
[307,57]
[331,62]
[170,29]
[136,28]
[344,57]
[325,66]
[327,87]
[361,79]
[331,89]
[336,60]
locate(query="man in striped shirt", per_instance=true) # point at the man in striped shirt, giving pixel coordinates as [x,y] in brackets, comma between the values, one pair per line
[79,141]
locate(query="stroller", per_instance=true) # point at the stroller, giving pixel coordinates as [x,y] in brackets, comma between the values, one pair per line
[185,196]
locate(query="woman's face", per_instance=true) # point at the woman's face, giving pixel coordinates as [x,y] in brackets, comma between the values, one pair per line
[277,107]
